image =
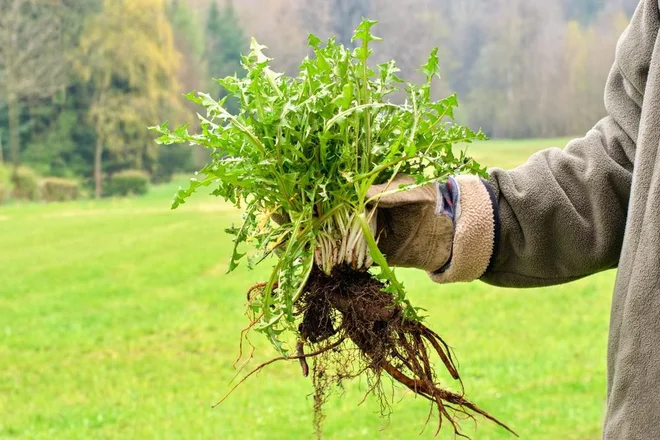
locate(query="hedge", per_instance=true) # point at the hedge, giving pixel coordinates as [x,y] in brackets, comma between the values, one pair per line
[26,184]
[57,189]
[5,183]
[127,182]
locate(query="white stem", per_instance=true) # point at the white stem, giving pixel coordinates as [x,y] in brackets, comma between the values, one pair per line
[341,224]
[373,225]
[327,258]
[342,242]
[356,233]
[335,252]
[361,254]
[344,245]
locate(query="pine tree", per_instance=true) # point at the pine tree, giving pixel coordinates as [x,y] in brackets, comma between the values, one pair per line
[225,43]
[337,18]
[213,30]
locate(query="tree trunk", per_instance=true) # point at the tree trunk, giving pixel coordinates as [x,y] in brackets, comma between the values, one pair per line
[14,135]
[98,177]
[2,157]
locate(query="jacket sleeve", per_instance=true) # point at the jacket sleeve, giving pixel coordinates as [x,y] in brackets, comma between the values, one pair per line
[562,214]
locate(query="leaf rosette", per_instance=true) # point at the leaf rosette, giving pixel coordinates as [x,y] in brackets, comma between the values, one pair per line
[304,150]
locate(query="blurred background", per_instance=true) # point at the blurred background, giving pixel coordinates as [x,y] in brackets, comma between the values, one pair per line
[81,79]
[116,318]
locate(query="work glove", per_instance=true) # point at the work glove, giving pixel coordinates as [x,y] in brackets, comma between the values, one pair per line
[449,230]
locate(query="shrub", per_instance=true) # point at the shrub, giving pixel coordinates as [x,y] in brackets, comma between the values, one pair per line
[127,182]
[26,184]
[4,193]
[5,173]
[5,183]
[57,189]
[161,175]
[171,159]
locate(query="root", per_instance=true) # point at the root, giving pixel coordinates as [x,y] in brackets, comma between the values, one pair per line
[429,391]
[354,307]
[255,286]
[253,321]
[300,351]
[244,336]
[277,359]
[354,328]
[442,352]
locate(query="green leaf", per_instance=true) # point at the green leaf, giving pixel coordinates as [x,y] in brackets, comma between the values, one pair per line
[432,67]
[309,145]
[240,237]
[346,96]
[363,31]
[313,41]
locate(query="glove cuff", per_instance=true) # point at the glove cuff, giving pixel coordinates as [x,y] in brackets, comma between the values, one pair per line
[475,233]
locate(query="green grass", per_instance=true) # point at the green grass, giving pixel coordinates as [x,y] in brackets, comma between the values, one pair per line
[117,321]
[507,153]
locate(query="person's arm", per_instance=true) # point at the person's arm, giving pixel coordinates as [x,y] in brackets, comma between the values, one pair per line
[559,217]
[562,214]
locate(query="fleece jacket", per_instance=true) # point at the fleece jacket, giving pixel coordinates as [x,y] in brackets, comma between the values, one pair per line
[595,205]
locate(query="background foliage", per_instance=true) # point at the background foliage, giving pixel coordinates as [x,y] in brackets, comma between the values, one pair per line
[521,68]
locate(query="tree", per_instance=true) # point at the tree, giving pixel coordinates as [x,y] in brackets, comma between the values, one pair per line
[213,29]
[508,93]
[279,29]
[467,26]
[588,53]
[225,44]
[189,42]
[410,41]
[337,18]
[189,39]
[129,62]
[345,16]
[55,135]
[583,10]
[32,61]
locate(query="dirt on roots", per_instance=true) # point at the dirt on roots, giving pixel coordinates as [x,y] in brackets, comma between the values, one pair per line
[350,327]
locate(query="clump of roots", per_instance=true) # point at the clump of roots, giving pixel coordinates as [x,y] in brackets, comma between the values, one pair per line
[350,328]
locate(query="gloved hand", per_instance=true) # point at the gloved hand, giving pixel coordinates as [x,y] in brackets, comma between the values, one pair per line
[448,230]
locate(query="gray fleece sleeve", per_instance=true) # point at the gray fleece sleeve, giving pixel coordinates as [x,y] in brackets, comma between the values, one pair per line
[563,213]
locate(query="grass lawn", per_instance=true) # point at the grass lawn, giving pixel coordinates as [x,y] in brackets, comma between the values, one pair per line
[117,321]
[508,154]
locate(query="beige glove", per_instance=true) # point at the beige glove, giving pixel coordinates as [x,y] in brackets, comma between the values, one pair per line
[448,229]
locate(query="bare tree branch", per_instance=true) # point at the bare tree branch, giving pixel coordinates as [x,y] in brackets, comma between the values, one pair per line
[32,61]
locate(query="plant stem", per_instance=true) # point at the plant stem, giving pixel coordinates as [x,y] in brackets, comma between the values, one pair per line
[342,242]
[366,159]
